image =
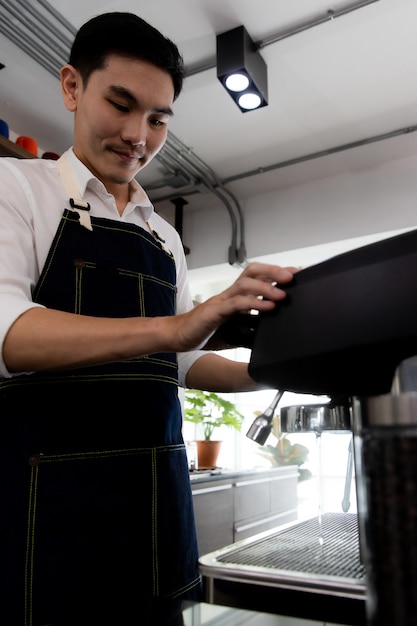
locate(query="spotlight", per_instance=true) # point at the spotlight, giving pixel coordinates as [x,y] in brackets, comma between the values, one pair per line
[241,69]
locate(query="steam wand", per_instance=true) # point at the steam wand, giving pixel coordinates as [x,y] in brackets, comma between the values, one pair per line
[348,480]
[262,425]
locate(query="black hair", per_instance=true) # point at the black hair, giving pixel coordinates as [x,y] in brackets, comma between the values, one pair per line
[126,34]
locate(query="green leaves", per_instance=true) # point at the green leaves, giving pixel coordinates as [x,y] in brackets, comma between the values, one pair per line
[210,411]
[284,453]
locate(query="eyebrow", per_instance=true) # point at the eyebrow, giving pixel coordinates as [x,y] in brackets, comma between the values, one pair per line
[125,93]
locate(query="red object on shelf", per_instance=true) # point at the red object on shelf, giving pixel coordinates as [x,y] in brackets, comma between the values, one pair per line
[28,143]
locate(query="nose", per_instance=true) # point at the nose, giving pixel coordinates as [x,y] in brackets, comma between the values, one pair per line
[135,131]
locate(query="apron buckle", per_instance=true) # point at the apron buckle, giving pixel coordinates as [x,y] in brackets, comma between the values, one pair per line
[82,207]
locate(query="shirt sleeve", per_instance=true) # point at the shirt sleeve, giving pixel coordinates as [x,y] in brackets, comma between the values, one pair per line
[17,250]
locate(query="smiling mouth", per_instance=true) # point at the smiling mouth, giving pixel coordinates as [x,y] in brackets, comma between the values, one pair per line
[129,157]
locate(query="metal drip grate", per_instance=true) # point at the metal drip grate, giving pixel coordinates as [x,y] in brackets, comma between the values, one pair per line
[327,547]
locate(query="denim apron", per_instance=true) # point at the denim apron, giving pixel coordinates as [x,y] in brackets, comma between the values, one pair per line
[98,513]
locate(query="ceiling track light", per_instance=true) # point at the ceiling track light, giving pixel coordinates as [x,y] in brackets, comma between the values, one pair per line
[241,69]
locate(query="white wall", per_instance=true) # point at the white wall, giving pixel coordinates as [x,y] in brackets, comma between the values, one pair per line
[348,203]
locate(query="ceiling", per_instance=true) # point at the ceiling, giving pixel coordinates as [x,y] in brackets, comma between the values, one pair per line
[340,74]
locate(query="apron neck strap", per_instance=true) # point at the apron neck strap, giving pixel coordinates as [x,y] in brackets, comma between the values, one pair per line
[77,203]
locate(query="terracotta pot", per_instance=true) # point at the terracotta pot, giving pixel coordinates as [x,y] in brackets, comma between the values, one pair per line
[207,453]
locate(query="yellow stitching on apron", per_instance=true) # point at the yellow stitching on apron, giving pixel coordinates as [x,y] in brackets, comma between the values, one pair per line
[8,383]
[141,278]
[179,592]
[59,233]
[141,296]
[147,277]
[30,545]
[56,458]
[154,242]
[155,571]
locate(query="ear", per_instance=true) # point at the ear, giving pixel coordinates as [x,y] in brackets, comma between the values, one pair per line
[70,85]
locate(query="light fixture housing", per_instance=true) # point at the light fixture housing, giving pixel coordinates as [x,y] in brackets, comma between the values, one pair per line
[238,55]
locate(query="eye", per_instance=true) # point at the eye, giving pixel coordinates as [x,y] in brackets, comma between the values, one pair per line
[119,107]
[159,121]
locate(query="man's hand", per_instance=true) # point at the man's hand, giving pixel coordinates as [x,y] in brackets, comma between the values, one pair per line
[258,288]
[45,339]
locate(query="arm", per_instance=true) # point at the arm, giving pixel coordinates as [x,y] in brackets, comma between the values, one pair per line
[45,339]
[213,372]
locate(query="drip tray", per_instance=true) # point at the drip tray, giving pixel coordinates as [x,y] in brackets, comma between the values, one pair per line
[319,557]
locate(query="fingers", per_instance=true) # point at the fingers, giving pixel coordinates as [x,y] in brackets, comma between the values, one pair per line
[261,281]
[257,288]
[270,273]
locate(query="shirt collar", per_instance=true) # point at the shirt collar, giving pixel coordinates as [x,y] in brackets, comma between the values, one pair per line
[84,178]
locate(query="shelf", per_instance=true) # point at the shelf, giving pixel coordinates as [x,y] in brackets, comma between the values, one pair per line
[10,149]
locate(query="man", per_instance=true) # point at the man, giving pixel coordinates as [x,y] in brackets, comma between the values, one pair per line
[98,525]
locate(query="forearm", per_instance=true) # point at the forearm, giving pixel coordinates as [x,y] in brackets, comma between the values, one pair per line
[214,372]
[45,339]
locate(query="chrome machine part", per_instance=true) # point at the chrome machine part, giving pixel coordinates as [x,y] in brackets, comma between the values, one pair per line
[262,425]
[307,418]
[348,479]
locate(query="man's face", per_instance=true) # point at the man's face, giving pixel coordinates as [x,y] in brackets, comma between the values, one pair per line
[121,118]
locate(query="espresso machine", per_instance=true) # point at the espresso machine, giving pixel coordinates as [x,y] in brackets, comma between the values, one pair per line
[348,330]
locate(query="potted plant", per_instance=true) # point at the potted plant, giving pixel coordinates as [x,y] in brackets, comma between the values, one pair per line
[210,411]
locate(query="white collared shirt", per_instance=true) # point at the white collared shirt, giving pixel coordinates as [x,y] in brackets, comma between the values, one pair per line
[32,200]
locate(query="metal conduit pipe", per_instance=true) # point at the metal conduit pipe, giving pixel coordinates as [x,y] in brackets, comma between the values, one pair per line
[60,18]
[32,30]
[329,16]
[169,157]
[15,36]
[218,182]
[207,176]
[195,169]
[294,30]
[288,163]
[40,20]
[322,153]
[264,169]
